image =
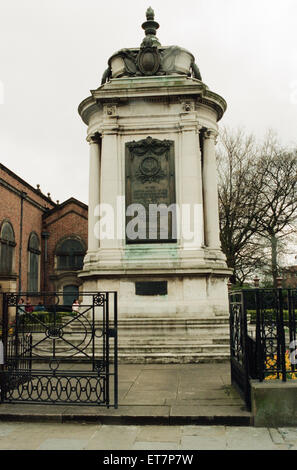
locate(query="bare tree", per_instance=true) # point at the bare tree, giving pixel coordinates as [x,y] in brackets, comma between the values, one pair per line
[257,201]
[279,197]
[239,193]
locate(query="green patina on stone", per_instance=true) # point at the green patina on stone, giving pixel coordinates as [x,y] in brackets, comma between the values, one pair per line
[143,251]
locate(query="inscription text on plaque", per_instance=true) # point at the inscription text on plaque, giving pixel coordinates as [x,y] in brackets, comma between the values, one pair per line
[150,191]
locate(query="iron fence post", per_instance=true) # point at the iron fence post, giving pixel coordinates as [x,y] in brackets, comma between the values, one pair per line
[231,317]
[231,332]
[281,333]
[292,324]
[107,349]
[93,333]
[2,353]
[245,351]
[259,345]
[115,349]
[4,340]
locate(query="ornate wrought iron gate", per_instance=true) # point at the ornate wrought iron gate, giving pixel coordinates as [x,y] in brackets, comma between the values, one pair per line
[263,331]
[54,354]
[239,346]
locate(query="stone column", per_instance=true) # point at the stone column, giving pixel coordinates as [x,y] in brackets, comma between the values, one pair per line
[110,190]
[192,182]
[210,191]
[94,188]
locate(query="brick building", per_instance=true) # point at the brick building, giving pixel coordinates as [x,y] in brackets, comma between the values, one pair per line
[42,242]
[289,275]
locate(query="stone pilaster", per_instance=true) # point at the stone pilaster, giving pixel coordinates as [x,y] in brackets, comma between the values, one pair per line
[192,184]
[94,188]
[110,185]
[210,191]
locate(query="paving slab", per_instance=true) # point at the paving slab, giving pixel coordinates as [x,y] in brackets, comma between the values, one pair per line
[152,394]
[112,438]
[160,397]
[276,436]
[253,439]
[67,436]
[157,434]
[204,395]
[203,438]
[202,443]
[63,444]
[289,435]
[6,429]
[155,446]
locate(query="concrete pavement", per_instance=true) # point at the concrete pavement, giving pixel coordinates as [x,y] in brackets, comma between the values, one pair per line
[86,436]
[161,407]
[149,394]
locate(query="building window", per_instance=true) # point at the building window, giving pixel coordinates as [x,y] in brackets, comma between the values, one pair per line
[70,255]
[7,244]
[34,257]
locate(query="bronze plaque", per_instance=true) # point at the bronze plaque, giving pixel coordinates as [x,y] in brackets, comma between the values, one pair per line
[151,288]
[150,191]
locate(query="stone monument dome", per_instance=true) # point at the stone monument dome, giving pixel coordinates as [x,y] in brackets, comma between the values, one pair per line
[151,58]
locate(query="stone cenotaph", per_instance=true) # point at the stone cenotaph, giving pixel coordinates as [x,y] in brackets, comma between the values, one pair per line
[153,204]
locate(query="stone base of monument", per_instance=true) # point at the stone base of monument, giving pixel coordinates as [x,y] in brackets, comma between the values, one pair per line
[173,340]
[201,294]
[173,319]
[150,340]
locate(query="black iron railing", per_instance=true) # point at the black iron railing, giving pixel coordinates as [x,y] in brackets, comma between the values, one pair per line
[263,342]
[53,355]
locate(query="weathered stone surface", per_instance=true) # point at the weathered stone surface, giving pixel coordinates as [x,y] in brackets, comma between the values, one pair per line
[113,437]
[274,403]
[33,436]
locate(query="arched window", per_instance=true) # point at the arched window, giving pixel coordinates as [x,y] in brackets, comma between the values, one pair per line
[70,255]
[33,263]
[7,244]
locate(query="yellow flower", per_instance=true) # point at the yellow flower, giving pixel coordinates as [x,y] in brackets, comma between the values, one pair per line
[271,364]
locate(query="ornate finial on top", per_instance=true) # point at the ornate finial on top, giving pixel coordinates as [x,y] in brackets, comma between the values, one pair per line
[150,27]
[150,14]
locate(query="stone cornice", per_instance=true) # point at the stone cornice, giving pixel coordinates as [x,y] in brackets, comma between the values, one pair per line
[88,107]
[93,271]
[151,88]
[126,88]
[211,99]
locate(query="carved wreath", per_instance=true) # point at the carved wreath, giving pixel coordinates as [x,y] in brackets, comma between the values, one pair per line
[150,170]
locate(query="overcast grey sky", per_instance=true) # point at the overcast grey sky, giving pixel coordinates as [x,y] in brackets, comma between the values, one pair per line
[52,52]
